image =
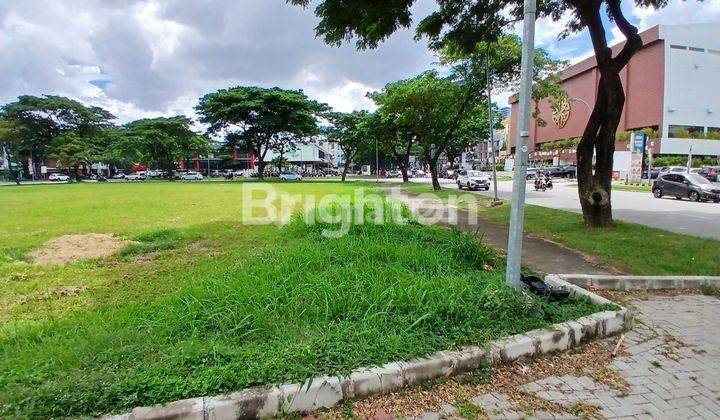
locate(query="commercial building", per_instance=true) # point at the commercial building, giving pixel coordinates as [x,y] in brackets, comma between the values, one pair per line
[313,155]
[672,86]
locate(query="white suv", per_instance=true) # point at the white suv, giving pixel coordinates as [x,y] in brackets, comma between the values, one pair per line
[290,176]
[59,178]
[473,180]
[192,176]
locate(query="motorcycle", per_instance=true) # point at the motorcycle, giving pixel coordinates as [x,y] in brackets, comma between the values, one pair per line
[543,184]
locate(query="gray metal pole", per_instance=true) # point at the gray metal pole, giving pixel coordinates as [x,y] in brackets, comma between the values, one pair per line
[517,210]
[377,162]
[490,119]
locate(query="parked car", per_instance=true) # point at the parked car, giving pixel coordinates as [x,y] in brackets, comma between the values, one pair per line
[569,171]
[119,175]
[393,174]
[685,185]
[473,180]
[420,173]
[531,173]
[191,176]
[553,171]
[135,177]
[710,172]
[290,176]
[59,178]
[672,169]
[654,173]
[157,173]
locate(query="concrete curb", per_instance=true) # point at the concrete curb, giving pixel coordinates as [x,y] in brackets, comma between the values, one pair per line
[611,282]
[325,392]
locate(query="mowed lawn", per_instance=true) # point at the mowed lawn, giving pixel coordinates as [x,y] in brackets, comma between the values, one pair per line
[202,303]
[630,247]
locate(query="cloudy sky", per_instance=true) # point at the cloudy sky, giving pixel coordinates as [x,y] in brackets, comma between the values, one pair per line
[142,58]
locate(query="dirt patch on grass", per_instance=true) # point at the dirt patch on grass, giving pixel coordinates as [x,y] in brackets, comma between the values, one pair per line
[60,292]
[71,248]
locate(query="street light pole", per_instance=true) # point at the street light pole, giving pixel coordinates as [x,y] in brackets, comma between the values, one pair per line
[377,163]
[517,209]
[495,201]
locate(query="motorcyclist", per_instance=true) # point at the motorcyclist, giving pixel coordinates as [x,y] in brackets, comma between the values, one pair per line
[539,178]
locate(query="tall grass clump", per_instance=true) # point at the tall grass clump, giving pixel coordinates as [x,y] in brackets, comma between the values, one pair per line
[310,304]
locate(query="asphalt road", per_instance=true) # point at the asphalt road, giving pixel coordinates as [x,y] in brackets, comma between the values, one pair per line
[686,217]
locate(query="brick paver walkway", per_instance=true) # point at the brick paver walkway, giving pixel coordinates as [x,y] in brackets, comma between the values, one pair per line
[671,365]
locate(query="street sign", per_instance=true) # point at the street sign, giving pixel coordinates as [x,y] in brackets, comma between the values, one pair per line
[636,163]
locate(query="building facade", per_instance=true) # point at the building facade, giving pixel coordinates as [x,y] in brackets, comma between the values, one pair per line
[672,86]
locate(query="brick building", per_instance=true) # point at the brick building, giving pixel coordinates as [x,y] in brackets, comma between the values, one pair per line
[672,85]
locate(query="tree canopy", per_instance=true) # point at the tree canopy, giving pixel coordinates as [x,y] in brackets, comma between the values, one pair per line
[41,125]
[260,119]
[461,25]
[161,141]
[351,135]
[430,109]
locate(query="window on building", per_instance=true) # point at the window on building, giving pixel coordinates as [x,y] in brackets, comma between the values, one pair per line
[678,47]
[714,51]
[713,133]
[696,49]
[685,131]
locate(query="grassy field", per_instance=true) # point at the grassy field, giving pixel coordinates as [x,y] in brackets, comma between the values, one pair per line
[636,188]
[203,304]
[633,248]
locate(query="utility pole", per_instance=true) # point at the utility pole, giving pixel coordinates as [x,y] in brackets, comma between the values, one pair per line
[495,201]
[377,163]
[517,209]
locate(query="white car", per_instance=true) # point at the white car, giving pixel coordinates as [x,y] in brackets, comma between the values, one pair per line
[473,180]
[59,178]
[191,176]
[135,177]
[290,176]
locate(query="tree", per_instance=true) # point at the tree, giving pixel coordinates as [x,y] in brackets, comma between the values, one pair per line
[161,141]
[351,135]
[464,23]
[71,150]
[260,119]
[430,109]
[392,138]
[11,140]
[474,127]
[44,118]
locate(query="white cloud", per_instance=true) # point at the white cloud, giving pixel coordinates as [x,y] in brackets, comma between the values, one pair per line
[140,58]
[678,12]
[347,97]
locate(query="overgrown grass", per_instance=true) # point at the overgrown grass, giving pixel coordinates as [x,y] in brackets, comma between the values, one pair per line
[300,305]
[633,248]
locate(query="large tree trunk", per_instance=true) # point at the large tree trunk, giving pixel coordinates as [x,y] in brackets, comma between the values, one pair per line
[404,171]
[345,171]
[261,169]
[594,187]
[432,161]
[76,172]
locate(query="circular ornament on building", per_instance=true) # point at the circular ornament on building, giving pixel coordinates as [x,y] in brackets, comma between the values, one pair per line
[561,112]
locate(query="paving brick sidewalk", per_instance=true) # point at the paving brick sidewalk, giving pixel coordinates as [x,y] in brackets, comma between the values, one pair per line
[671,364]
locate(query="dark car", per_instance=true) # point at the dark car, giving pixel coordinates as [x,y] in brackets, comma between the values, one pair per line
[554,171]
[569,171]
[710,172]
[686,185]
[654,173]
